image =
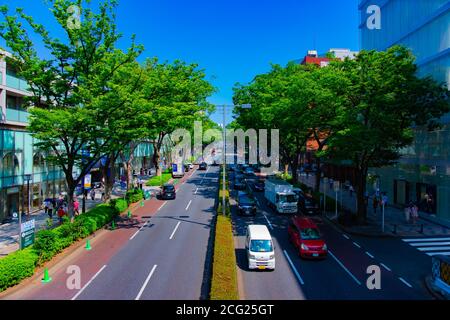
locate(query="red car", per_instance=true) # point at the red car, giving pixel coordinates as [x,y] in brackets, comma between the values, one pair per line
[306,237]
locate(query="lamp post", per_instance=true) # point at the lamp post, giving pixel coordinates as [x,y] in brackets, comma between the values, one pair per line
[243,106]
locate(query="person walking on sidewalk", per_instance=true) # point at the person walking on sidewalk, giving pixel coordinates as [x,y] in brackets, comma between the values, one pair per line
[408,209]
[76,207]
[375,203]
[92,193]
[351,190]
[414,213]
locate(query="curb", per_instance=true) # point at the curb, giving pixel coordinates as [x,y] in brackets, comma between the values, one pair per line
[356,233]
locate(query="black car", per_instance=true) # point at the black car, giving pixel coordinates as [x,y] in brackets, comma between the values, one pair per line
[307,205]
[202,166]
[246,205]
[249,171]
[259,185]
[240,185]
[168,192]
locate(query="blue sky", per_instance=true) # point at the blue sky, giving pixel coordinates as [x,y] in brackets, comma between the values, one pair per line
[233,40]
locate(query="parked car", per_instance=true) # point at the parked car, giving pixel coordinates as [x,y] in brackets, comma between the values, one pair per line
[307,205]
[240,185]
[260,248]
[259,185]
[306,238]
[246,205]
[168,192]
[202,166]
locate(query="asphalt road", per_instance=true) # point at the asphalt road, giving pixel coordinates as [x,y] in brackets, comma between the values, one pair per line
[166,258]
[341,276]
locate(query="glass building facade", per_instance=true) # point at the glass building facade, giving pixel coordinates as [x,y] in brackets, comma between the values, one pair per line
[424,169]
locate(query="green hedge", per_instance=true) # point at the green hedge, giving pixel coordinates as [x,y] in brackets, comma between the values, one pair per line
[120,205]
[21,264]
[134,195]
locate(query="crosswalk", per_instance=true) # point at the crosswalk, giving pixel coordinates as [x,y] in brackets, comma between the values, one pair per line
[430,246]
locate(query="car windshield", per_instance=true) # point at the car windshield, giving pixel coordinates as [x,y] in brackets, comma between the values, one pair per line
[246,201]
[261,246]
[309,202]
[310,234]
[168,188]
[288,198]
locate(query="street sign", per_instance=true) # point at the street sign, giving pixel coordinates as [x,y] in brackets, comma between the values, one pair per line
[15,215]
[87,181]
[336,186]
[27,233]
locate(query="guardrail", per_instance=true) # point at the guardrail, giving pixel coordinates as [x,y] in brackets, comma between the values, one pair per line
[441,274]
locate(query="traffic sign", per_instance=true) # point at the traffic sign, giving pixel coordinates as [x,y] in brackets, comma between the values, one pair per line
[87,181]
[27,233]
[336,186]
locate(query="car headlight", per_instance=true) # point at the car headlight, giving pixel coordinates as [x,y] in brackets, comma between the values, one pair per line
[252,256]
[324,247]
[304,247]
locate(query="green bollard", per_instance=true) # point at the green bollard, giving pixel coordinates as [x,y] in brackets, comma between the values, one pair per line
[46,278]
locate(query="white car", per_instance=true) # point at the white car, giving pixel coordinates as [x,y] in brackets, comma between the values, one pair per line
[260,248]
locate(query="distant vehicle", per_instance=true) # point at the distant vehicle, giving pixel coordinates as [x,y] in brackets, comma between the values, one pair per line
[258,185]
[306,238]
[97,185]
[240,185]
[249,171]
[280,196]
[177,170]
[202,166]
[215,164]
[260,248]
[307,205]
[246,205]
[168,192]
[190,165]
[186,167]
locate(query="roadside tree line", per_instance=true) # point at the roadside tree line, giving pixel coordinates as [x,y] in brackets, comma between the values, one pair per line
[91,100]
[362,110]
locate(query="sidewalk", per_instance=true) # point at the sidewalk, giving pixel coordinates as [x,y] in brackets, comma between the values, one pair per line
[394,218]
[9,232]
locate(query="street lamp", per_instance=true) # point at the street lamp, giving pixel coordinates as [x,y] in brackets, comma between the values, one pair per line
[243,106]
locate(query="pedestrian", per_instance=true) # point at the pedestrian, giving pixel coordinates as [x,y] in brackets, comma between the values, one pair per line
[375,204]
[366,198]
[414,213]
[50,208]
[92,194]
[61,214]
[351,190]
[331,182]
[430,203]
[46,206]
[76,207]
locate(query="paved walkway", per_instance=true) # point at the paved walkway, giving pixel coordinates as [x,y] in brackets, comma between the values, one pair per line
[9,232]
[394,218]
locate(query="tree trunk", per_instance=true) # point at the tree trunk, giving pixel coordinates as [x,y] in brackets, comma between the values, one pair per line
[109,179]
[318,175]
[156,158]
[286,168]
[294,167]
[70,199]
[361,177]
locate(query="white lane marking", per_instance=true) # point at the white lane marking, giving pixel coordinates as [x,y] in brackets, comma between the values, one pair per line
[368,253]
[187,207]
[88,283]
[420,244]
[174,230]
[436,253]
[385,266]
[356,244]
[162,205]
[433,248]
[343,267]
[135,234]
[293,268]
[405,282]
[425,239]
[267,219]
[145,283]
[346,236]
[196,190]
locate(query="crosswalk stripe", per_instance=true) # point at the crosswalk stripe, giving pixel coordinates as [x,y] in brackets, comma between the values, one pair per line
[425,239]
[433,248]
[436,253]
[421,244]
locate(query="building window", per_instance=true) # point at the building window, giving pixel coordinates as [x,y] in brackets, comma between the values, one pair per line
[10,165]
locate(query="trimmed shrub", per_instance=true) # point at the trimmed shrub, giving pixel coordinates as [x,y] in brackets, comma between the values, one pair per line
[119,205]
[17,266]
[134,195]
[45,244]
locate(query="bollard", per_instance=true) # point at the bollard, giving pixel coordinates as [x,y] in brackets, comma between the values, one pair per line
[129,214]
[88,245]
[113,225]
[46,278]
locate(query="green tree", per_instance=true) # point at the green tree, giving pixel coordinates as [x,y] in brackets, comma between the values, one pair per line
[68,88]
[383,101]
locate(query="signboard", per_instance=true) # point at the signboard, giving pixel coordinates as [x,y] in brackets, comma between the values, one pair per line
[27,233]
[174,167]
[336,186]
[12,190]
[87,181]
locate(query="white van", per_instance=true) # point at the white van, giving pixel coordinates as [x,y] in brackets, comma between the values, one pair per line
[260,248]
